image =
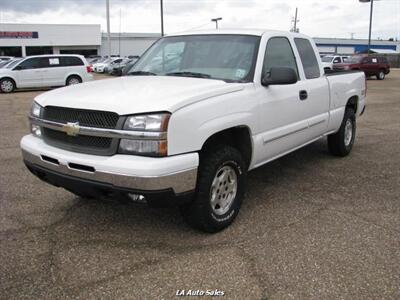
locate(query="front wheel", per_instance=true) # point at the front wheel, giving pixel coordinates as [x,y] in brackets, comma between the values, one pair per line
[220,189]
[341,142]
[7,85]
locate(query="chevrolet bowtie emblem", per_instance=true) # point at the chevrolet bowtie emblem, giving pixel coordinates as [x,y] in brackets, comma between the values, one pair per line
[71,128]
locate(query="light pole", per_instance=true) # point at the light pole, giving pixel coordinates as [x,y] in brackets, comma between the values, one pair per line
[162,17]
[119,36]
[216,21]
[295,22]
[108,28]
[370,21]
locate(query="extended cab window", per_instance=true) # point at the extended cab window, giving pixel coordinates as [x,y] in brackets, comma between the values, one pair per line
[308,58]
[278,53]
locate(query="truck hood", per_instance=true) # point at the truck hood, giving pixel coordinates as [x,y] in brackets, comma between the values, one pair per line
[137,94]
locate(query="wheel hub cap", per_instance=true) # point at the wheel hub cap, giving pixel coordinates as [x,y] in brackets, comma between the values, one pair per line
[7,86]
[223,190]
[73,81]
[348,132]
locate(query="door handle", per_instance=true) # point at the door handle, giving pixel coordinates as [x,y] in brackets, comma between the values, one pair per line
[303,95]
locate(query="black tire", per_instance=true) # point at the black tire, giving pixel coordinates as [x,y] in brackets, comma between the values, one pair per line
[337,141]
[7,85]
[380,75]
[73,79]
[200,213]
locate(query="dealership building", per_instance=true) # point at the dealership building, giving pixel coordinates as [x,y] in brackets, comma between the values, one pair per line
[34,39]
[353,46]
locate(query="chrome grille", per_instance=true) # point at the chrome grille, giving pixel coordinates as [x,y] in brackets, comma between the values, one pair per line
[91,118]
[81,143]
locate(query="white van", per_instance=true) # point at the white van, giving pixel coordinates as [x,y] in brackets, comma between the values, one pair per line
[44,71]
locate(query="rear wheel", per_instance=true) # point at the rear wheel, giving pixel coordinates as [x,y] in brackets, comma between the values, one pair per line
[74,79]
[7,85]
[220,190]
[341,142]
[380,75]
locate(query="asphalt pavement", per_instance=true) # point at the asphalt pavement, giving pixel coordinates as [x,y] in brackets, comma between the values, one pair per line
[312,226]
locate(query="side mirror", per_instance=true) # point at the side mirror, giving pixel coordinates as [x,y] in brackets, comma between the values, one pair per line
[17,68]
[279,76]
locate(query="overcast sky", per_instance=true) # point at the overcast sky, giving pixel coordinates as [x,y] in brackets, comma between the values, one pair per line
[318,18]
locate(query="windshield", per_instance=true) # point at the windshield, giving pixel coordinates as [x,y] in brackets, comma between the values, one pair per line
[354,59]
[327,58]
[224,57]
[13,63]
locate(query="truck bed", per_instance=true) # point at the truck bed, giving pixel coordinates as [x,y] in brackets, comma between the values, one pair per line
[339,72]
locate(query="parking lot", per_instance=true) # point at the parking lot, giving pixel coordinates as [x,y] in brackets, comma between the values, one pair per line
[312,226]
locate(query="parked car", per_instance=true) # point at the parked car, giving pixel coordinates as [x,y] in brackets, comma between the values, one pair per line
[108,68]
[371,65]
[6,58]
[6,63]
[44,71]
[187,133]
[117,68]
[101,66]
[329,60]
[3,63]
[92,60]
[128,66]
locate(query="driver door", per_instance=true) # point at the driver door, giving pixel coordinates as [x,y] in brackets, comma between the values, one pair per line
[283,113]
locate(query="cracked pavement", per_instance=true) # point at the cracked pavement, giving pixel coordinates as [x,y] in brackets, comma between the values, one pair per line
[312,226]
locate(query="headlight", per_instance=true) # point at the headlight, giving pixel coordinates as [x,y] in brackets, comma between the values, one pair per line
[151,123]
[36,110]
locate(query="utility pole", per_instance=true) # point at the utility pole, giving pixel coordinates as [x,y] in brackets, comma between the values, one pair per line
[119,37]
[108,27]
[216,21]
[370,21]
[370,26]
[295,21]
[162,17]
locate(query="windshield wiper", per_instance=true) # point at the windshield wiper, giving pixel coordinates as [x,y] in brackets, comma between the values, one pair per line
[189,74]
[142,73]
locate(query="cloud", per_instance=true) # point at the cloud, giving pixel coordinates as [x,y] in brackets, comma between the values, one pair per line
[317,18]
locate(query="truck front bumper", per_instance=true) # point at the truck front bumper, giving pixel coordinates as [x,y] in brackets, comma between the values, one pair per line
[156,179]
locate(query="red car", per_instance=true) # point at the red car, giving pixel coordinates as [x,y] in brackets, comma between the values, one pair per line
[371,65]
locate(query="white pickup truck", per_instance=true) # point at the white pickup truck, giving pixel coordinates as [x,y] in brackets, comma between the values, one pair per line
[198,111]
[329,60]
